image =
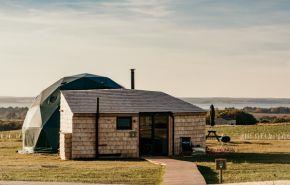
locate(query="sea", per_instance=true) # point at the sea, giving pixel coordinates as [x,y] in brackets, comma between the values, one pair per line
[204,103]
[16,101]
[239,103]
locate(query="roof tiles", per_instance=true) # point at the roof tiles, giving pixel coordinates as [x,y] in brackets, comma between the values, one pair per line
[126,101]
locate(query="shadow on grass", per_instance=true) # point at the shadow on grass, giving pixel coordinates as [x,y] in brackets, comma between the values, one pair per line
[268,158]
[211,177]
[113,159]
[248,142]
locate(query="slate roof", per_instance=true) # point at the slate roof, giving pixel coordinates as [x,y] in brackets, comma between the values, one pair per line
[126,101]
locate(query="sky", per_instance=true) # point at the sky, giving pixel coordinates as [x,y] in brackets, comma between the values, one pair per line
[197,48]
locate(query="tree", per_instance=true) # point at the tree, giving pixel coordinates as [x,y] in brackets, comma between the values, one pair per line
[241,117]
[212,116]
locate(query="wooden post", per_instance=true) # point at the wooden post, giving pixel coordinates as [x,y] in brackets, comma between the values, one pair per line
[221,176]
[221,164]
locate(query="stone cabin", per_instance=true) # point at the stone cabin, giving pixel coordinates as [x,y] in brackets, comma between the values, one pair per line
[126,123]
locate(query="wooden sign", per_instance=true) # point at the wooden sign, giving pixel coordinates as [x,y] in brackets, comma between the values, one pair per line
[221,164]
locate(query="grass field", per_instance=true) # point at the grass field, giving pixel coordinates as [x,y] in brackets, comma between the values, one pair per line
[40,167]
[236,132]
[252,160]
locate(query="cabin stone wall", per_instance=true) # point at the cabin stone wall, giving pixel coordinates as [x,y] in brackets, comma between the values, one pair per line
[78,135]
[84,137]
[65,146]
[111,141]
[66,119]
[189,126]
[66,116]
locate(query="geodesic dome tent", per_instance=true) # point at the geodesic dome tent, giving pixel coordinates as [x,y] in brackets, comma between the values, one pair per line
[41,126]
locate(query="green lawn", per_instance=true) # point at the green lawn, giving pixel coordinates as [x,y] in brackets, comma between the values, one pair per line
[254,160]
[40,167]
[246,167]
[236,132]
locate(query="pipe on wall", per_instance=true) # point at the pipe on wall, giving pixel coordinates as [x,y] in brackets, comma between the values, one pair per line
[97,127]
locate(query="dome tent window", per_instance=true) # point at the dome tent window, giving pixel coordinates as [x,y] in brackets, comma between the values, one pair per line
[52,99]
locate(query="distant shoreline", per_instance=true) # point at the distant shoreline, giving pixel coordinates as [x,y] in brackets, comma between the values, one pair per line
[204,103]
[15,101]
[239,102]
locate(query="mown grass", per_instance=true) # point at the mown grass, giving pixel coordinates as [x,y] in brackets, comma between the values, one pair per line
[251,160]
[46,167]
[237,131]
[246,167]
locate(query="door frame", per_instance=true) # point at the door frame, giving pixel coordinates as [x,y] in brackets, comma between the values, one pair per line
[167,135]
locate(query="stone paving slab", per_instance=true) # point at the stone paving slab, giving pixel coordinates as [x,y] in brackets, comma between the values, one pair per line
[179,172]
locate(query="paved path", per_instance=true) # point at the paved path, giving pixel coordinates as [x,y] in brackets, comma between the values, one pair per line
[179,172]
[281,182]
[42,183]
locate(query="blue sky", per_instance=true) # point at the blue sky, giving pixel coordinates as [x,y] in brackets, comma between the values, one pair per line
[236,48]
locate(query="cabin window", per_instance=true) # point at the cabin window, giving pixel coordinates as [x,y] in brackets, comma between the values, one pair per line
[124,123]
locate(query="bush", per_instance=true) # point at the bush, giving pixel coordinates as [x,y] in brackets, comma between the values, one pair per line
[274,119]
[274,110]
[13,112]
[281,120]
[241,117]
[10,125]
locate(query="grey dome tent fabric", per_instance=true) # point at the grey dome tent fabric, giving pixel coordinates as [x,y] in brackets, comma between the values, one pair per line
[41,126]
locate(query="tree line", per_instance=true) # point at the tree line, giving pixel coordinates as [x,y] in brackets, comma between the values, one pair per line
[241,117]
[13,113]
[274,110]
[11,118]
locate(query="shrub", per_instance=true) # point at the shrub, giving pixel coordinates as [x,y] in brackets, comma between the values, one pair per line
[13,112]
[241,117]
[273,110]
[10,125]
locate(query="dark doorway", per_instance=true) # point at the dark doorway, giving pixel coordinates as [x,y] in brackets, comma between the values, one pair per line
[154,134]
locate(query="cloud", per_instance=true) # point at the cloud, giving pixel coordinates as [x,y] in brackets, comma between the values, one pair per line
[148,9]
[181,38]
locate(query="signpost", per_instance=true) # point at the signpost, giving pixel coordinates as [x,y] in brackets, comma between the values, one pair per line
[221,164]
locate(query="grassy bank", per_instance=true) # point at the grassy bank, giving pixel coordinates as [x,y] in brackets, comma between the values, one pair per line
[36,167]
[254,160]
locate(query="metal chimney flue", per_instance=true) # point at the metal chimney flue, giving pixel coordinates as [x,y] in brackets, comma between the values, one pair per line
[132,78]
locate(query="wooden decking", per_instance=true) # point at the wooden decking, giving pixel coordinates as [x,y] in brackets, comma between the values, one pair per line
[179,172]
